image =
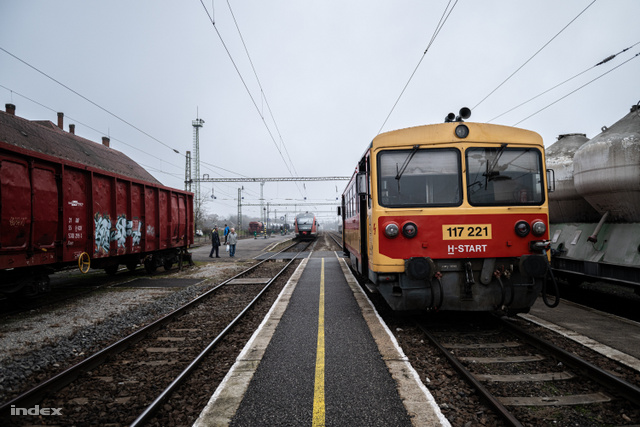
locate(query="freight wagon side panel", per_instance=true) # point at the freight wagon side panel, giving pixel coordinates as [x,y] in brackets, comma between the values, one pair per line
[183,219]
[122,225]
[164,221]
[151,219]
[45,208]
[174,221]
[29,214]
[76,231]
[136,218]
[15,205]
[103,216]
[190,223]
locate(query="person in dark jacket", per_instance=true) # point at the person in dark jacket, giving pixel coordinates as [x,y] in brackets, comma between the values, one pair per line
[215,242]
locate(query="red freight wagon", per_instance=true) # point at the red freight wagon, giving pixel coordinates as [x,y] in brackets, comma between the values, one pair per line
[65,201]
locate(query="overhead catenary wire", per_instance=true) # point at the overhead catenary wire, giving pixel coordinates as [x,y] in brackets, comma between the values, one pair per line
[255,73]
[89,101]
[113,139]
[533,56]
[443,19]
[577,89]
[604,61]
[244,83]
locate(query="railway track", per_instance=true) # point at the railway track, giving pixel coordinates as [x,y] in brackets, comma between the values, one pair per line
[134,378]
[70,284]
[527,380]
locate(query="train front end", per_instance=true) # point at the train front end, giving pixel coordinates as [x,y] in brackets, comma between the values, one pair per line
[306,226]
[458,218]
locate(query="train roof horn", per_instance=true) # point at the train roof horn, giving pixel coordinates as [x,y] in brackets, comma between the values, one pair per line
[464,114]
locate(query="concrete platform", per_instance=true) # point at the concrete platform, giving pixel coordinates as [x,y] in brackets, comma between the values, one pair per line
[612,336]
[322,356]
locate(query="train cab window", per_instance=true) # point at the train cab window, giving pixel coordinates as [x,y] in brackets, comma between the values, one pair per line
[504,176]
[419,177]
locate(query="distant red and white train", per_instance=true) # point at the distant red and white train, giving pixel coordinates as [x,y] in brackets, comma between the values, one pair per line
[66,201]
[306,226]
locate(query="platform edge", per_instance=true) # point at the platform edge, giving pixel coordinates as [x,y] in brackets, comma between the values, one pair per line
[416,398]
[225,401]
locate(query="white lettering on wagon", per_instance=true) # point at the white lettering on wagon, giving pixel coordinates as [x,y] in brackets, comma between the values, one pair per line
[460,249]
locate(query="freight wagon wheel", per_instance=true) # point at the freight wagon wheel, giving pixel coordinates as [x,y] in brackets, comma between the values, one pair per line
[84,262]
[111,269]
[149,265]
[131,266]
[167,265]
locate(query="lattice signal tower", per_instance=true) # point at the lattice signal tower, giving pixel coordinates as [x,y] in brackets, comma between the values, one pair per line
[197,124]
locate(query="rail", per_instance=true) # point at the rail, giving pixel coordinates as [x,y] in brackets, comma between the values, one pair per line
[57,382]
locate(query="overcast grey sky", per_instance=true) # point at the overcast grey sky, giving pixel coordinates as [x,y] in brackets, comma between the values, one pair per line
[330,72]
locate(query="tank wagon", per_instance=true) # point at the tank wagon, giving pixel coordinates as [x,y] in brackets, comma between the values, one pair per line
[451,216]
[306,226]
[595,212]
[67,201]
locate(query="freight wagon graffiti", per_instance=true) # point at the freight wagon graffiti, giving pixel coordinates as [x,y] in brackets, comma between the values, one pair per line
[123,228]
[133,230]
[102,225]
[119,234]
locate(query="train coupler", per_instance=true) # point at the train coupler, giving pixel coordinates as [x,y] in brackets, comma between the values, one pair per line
[469,281]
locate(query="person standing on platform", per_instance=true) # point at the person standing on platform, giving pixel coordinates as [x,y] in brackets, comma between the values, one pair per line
[215,242]
[232,240]
[226,233]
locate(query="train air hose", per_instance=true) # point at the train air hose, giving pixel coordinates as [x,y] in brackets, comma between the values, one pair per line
[555,285]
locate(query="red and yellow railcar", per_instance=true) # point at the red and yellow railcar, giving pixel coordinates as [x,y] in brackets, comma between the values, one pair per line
[450,216]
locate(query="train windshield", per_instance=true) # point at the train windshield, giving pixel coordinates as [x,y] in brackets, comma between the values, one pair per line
[504,176]
[419,177]
[305,219]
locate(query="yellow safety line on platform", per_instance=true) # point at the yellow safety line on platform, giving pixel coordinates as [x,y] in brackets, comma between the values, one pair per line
[318,398]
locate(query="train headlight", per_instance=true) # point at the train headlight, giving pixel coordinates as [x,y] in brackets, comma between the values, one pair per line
[462,131]
[522,228]
[391,230]
[409,230]
[538,228]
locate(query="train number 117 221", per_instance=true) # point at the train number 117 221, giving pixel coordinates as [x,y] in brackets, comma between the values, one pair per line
[466,231]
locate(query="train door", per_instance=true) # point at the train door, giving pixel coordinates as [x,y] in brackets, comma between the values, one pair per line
[362,184]
[343,214]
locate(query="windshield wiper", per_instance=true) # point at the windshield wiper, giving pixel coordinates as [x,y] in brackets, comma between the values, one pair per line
[490,173]
[414,150]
